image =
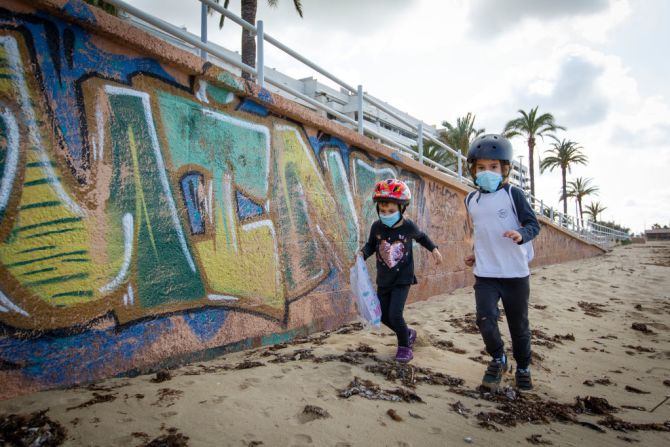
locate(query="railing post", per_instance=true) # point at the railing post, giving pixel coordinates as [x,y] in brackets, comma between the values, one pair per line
[419,141]
[359,100]
[460,168]
[260,56]
[203,29]
[551,214]
[541,207]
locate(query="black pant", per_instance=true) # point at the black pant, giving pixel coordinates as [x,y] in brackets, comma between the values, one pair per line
[514,293]
[392,302]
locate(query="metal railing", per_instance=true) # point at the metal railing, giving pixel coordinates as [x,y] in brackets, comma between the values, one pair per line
[590,231]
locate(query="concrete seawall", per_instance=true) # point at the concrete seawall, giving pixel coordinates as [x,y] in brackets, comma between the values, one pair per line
[155,208]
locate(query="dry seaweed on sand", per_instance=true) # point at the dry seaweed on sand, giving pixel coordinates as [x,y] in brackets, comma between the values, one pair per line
[370,390]
[394,415]
[466,324]
[172,439]
[161,376]
[300,354]
[447,345]
[248,365]
[537,440]
[592,309]
[35,430]
[620,425]
[314,412]
[410,375]
[642,328]
[97,399]
[362,347]
[459,408]
[632,389]
[593,405]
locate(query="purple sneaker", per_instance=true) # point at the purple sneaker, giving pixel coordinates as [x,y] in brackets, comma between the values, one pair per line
[412,337]
[404,355]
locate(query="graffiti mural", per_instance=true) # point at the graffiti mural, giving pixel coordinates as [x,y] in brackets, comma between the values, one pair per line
[146,213]
[144,196]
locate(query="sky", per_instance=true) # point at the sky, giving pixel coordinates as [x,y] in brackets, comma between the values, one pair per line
[599,66]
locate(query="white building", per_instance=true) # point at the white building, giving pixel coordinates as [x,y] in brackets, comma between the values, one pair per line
[518,176]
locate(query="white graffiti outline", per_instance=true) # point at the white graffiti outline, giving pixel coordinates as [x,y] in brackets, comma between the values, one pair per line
[114,90]
[214,297]
[14,60]
[128,230]
[12,158]
[8,304]
[345,179]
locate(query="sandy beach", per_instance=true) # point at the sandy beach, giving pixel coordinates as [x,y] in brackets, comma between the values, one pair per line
[601,330]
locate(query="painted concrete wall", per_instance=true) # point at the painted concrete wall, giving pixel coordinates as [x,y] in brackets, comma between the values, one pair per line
[153,207]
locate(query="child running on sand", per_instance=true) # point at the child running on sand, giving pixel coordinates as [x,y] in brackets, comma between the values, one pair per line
[391,238]
[503,223]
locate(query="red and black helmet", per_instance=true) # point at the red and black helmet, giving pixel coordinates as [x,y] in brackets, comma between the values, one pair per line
[392,190]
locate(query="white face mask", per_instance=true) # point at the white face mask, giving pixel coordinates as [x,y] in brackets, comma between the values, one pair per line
[390,219]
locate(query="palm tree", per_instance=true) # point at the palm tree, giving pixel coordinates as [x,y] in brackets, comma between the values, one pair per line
[530,125]
[564,154]
[249,8]
[580,188]
[594,209]
[460,135]
[110,9]
[435,152]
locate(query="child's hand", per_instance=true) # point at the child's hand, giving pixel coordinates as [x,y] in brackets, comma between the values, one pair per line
[514,235]
[469,260]
[437,256]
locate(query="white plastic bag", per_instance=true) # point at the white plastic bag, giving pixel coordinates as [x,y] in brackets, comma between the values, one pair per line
[363,290]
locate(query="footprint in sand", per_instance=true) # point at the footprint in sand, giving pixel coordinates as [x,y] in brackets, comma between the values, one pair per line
[301,440]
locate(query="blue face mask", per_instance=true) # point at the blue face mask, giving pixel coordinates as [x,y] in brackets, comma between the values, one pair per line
[390,219]
[488,181]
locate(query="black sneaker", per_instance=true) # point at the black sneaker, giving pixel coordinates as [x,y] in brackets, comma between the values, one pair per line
[494,374]
[523,380]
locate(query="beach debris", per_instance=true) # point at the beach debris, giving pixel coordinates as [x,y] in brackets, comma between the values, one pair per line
[459,408]
[466,324]
[300,354]
[34,429]
[591,426]
[593,405]
[349,328]
[634,407]
[172,439]
[394,415]
[312,412]
[627,439]
[537,440]
[255,443]
[97,399]
[592,309]
[632,389]
[662,402]
[468,439]
[540,306]
[167,396]
[370,390]
[489,426]
[362,347]
[642,328]
[603,381]
[161,376]
[247,364]
[638,307]
[140,435]
[588,383]
[619,425]
[415,415]
[446,345]
[410,375]
[640,348]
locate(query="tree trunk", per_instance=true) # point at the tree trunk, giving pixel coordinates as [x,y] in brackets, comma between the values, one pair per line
[531,164]
[565,188]
[248,39]
[581,214]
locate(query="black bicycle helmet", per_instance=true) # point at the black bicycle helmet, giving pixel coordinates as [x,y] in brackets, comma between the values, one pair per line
[490,147]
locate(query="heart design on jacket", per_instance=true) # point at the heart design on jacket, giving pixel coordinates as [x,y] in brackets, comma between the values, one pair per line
[392,253]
